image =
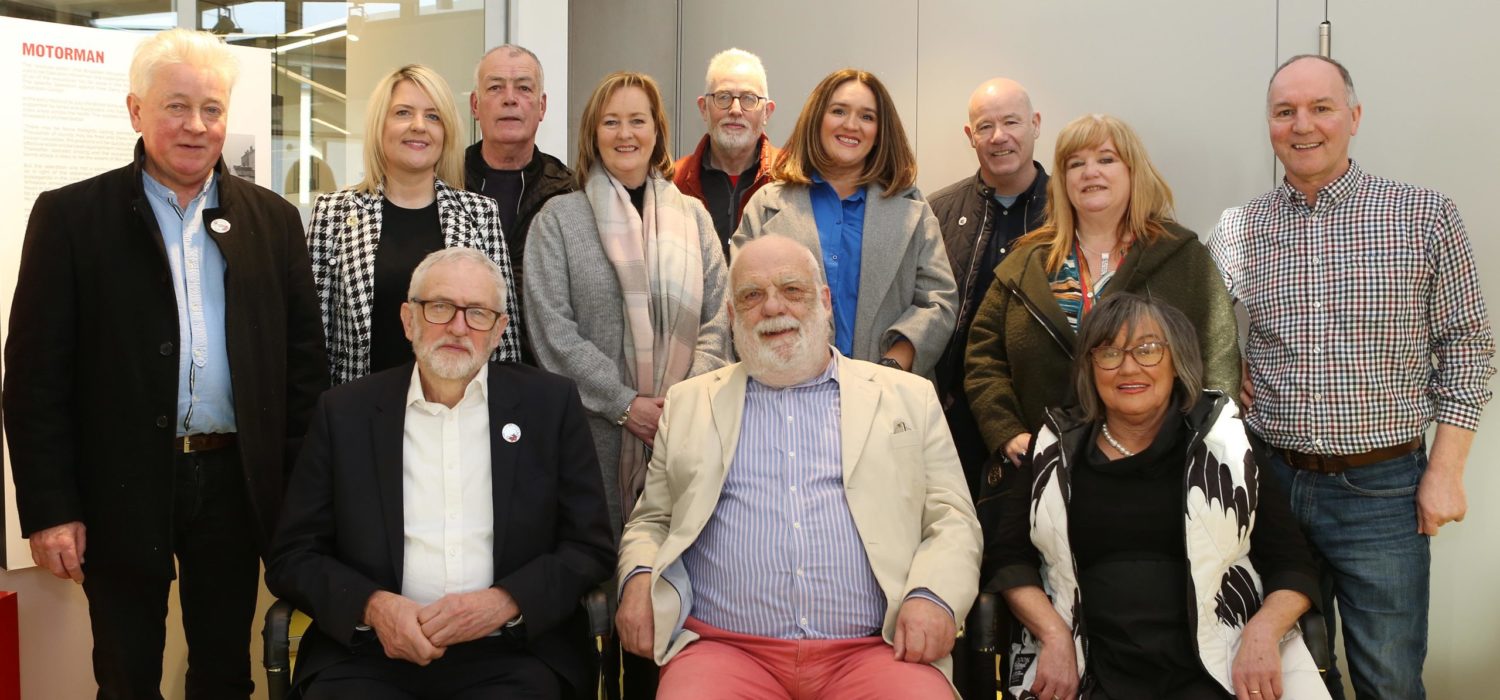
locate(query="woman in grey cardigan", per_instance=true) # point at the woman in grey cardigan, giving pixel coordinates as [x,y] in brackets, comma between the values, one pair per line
[625,283]
[843,187]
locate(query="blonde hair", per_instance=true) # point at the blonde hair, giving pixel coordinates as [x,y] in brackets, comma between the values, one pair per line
[450,163]
[588,124]
[181,47]
[890,162]
[1147,211]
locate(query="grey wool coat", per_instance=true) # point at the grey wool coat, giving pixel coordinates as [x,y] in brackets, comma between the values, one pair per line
[575,318]
[906,287]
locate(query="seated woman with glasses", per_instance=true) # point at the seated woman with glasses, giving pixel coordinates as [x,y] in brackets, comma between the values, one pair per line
[1141,550]
[1109,229]
[843,188]
[365,241]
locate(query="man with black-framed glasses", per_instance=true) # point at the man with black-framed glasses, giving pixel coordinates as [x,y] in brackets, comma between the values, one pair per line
[445,517]
[734,158]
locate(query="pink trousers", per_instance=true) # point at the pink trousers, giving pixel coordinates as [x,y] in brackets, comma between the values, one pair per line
[722,664]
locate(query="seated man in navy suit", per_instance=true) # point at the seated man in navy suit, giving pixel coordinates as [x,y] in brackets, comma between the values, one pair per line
[444,519]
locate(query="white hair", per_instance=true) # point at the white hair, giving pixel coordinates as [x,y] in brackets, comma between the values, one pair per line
[181,47]
[458,254]
[727,59]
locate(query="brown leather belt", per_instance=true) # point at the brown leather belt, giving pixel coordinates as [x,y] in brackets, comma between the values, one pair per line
[1334,464]
[203,442]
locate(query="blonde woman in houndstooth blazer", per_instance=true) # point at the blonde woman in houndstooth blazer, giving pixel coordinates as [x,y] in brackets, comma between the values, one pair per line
[365,240]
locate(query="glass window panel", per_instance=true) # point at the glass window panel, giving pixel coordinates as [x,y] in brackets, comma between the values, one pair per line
[138,15]
[327,56]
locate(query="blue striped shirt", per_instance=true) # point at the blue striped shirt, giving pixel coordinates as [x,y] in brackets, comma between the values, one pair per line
[781,556]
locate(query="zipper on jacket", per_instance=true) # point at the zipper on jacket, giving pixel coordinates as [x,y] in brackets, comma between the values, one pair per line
[974,257]
[1037,314]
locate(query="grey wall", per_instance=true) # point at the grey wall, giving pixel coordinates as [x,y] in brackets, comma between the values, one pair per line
[607,35]
[1190,77]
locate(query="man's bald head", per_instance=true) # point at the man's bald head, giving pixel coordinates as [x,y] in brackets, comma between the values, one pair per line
[1002,130]
[1002,89]
[771,252]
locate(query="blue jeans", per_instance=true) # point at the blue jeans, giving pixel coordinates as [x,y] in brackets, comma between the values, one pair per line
[1362,524]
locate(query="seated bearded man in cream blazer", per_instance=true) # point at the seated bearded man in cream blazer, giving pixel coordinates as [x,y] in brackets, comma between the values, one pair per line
[805,529]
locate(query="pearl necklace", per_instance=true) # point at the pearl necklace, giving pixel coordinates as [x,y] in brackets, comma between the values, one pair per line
[1115,443]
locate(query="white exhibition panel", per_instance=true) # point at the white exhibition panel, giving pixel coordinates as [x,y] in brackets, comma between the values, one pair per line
[70,84]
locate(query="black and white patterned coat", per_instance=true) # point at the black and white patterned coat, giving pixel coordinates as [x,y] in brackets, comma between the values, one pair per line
[1221,483]
[342,240]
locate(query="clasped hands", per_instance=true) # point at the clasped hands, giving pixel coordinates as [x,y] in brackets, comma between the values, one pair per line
[420,633]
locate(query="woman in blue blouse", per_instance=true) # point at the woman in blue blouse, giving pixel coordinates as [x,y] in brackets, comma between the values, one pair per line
[843,187]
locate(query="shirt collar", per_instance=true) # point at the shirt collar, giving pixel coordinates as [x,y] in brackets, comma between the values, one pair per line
[859,192]
[1330,194]
[154,188]
[829,374]
[477,390]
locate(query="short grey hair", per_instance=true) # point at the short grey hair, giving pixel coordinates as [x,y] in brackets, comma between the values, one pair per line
[1126,311]
[452,255]
[729,58]
[179,46]
[513,50]
[1343,74]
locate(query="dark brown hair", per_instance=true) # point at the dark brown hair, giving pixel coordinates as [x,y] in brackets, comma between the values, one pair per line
[890,163]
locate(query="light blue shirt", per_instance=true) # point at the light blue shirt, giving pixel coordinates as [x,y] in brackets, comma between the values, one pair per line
[841,233]
[205,398]
[781,557]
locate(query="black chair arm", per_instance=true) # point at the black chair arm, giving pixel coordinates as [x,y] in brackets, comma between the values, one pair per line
[277,653]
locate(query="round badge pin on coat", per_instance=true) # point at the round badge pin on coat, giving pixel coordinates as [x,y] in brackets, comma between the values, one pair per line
[511,432]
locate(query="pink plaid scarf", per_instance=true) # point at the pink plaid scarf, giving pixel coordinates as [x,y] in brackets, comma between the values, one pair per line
[658,258]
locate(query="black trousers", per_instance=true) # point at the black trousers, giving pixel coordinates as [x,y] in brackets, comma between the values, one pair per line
[218,569]
[484,669]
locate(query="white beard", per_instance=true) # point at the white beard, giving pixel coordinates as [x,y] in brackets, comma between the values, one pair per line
[447,365]
[732,142]
[787,361]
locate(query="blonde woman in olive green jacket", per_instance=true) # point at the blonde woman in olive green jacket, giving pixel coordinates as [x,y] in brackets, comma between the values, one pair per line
[1109,229]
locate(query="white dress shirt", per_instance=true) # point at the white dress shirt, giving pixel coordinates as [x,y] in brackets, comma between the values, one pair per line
[447,501]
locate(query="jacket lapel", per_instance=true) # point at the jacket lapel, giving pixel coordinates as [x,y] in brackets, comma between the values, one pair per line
[727,403]
[387,436]
[859,398]
[888,227]
[459,230]
[793,218]
[727,396]
[1038,290]
[504,410]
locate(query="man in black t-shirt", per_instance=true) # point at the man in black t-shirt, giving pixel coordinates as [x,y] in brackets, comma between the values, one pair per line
[509,101]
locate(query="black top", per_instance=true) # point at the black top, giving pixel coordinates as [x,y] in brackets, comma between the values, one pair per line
[638,198]
[1006,225]
[406,236]
[1127,534]
[1125,519]
[505,187]
[722,197]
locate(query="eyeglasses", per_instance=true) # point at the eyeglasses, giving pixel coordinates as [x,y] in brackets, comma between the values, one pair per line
[749,101]
[1146,354]
[440,312]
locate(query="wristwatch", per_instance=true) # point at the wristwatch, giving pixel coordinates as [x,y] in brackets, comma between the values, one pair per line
[891,362]
[624,416]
